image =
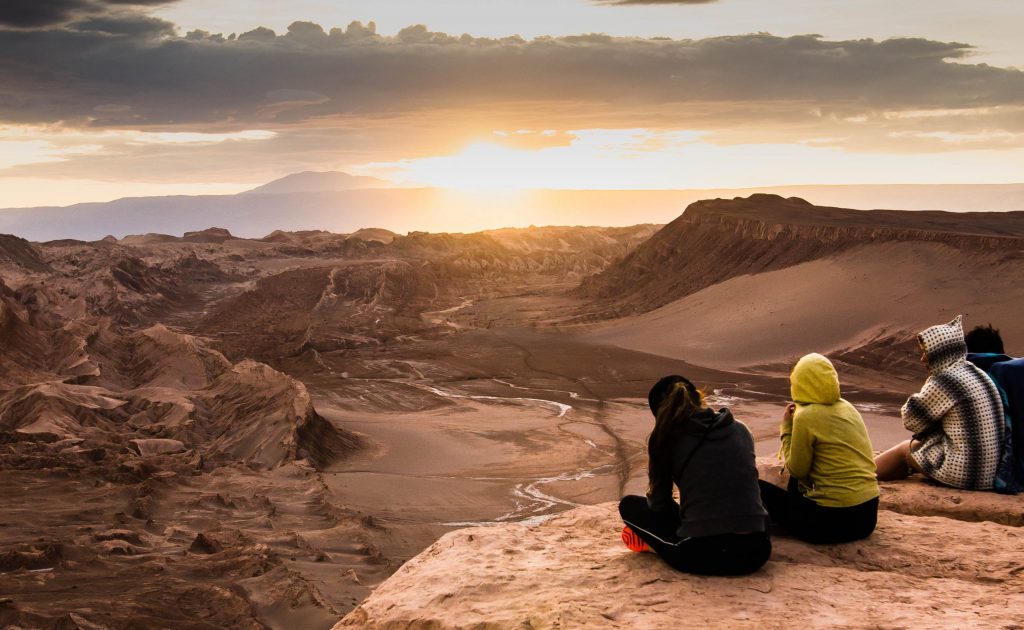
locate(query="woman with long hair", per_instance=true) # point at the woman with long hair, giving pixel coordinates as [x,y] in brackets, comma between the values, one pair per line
[719,526]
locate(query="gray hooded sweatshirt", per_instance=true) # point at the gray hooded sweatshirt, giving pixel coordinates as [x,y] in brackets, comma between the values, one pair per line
[713,464]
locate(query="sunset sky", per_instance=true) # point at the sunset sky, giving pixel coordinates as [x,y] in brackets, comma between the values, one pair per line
[102,99]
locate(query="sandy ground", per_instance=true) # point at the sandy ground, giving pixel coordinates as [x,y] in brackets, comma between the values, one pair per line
[512,425]
[470,427]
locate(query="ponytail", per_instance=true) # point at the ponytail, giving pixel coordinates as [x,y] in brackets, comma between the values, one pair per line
[673,400]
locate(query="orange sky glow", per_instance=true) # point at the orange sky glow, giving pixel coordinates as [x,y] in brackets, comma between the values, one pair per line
[197,97]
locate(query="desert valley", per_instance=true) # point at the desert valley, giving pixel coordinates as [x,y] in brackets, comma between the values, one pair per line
[205,431]
[324,315]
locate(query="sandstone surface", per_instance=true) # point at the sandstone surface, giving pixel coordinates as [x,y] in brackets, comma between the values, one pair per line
[921,568]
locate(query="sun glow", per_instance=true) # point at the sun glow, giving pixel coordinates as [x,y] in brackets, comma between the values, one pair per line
[594,159]
[641,159]
[482,166]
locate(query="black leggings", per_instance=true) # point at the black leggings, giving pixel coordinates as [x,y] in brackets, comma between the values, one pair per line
[815,523]
[724,554]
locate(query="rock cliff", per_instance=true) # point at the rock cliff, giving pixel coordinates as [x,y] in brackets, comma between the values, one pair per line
[715,240]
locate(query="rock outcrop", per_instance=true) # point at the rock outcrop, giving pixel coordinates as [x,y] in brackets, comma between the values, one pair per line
[209,235]
[123,441]
[17,252]
[73,370]
[954,562]
[260,416]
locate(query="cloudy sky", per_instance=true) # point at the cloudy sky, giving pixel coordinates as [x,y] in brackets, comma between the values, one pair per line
[101,99]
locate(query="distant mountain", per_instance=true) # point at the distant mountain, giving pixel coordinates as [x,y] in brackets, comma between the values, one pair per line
[256,214]
[245,215]
[209,235]
[317,181]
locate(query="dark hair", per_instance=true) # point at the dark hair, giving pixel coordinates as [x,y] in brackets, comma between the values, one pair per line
[984,339]
[672,400]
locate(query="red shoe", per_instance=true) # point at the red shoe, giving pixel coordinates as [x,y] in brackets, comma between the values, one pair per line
[632,541]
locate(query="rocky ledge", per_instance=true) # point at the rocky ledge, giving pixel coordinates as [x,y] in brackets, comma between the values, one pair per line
[939,558]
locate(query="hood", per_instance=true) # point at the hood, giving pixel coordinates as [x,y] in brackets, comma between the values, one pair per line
[814,380]
[710,422]
[944,344]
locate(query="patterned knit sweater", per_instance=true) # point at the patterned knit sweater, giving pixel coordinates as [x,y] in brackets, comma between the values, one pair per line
[957,418]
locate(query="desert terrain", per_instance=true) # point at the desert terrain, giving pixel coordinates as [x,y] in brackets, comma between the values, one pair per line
[939,558]
[206,431]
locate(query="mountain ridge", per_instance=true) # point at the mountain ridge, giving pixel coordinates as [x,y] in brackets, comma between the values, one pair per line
[768,232]
[409,209]
[316,181]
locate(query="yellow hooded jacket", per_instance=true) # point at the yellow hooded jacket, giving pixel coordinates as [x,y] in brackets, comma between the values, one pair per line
[826,445]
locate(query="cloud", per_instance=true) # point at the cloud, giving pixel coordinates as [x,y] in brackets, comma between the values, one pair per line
[29,13]
[133,72]
[626,2]
[153,157]
[640,159]
[128,25]
[335,97]
[39,13]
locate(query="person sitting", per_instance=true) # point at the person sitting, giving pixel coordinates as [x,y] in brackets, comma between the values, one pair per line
[985,350]
[832,495]
[719,526]
[956,418]
[985,346]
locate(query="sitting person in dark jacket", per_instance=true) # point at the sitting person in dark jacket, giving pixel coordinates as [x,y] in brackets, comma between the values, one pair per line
[719,527]
[985,350]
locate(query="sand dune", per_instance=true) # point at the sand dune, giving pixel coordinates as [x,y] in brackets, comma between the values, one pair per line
[716,240]
[755,283]
[881,293]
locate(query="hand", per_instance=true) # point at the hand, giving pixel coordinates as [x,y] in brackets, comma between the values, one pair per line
[787,415]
